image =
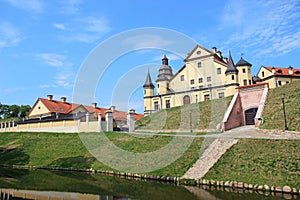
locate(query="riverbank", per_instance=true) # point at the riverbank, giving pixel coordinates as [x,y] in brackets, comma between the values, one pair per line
[256,161]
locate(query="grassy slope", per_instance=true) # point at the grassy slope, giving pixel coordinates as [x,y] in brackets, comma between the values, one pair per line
[66,150]
[273,112]
[272,162]
[204,115]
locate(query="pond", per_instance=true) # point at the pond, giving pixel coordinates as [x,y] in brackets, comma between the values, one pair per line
[42,184]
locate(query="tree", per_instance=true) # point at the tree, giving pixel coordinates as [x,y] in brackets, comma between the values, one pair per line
[24,110]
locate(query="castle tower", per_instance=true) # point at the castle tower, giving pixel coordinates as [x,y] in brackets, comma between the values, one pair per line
[245,74]
[148,93]
[232,77]
[164,76]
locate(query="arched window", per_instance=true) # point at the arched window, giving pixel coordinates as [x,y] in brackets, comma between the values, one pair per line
[186,99]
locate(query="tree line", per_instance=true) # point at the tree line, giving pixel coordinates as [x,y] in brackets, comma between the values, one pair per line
[14,111]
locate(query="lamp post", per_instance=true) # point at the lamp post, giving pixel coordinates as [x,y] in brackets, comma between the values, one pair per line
[284,115]
[191,128]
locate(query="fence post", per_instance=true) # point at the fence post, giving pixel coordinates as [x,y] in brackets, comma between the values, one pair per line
[99,122]
[130,120]
[109,120]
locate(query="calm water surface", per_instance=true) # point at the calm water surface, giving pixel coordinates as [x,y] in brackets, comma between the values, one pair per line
[38,184]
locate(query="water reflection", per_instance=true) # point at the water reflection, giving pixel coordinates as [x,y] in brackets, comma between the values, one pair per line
[41,184]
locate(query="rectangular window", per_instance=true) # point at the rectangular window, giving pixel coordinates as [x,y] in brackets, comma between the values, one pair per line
[208,85]
[199,64]
[232,77]
[192,81]
[192,88]
[219,71]
[244,70]
[263,74]
[208,79]
[156,105]
[167,103]
[182,77]
[221,95]
[245,81]
[200,80]
[279,83]
[206,97]
[201,86]
[287,82]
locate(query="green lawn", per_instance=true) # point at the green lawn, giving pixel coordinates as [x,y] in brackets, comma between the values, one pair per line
[272,162]
[202,116]
[66,150]
[273,111]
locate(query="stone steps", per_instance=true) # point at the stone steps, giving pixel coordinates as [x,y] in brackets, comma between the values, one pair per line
[209,157]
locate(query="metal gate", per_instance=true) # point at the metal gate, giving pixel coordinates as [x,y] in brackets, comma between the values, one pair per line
[250,115]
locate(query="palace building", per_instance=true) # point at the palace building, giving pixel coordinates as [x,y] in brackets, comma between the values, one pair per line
[206,75]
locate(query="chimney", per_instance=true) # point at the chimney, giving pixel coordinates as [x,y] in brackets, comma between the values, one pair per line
[290,70]
[63,99]
[219,53]
[112,108]
[225,59]
[273,70]
[50,97]
[94,105]
[214,50]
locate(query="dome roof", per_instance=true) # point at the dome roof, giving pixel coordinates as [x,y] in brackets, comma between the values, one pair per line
[165,71]
[243,62]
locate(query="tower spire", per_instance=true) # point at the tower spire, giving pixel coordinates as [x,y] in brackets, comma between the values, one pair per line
[231,68]
[148,82]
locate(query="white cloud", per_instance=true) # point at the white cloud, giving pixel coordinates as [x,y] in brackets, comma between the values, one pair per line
[89,29]
[70,6]
[147,41]
[268,27]
[29,5]
[9,35]
[52,59]
[59,26]
[64,76]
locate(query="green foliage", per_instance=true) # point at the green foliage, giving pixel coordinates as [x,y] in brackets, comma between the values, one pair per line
[273,111]
[272,162]
[13,111]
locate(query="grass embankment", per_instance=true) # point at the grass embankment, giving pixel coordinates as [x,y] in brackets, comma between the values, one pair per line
[202,116]
[260,161]
[66,150]
[273,111]
[273,162]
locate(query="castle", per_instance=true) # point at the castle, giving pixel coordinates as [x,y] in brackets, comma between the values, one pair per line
[207,75]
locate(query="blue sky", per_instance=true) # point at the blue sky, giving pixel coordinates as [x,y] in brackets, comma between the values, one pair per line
[44,43]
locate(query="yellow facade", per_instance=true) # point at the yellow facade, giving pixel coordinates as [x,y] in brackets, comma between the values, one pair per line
[202,78]
[277,77]
[39,109]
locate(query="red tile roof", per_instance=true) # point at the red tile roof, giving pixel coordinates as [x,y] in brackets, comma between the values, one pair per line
[65,108]
[284,71]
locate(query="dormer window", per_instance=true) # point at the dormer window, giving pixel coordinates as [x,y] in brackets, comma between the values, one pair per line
[297,72]
[279,71]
